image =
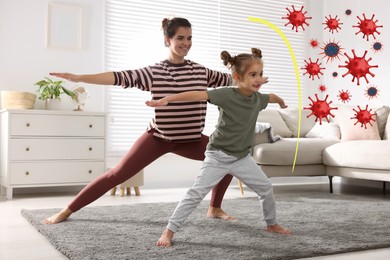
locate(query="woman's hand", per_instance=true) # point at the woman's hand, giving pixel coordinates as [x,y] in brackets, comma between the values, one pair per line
[67,76]
[157,103]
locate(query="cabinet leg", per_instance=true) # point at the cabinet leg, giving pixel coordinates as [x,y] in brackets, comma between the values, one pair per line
[240,186]
[137,192]
[113,190]
[122,192]
[128,191]
[8,193]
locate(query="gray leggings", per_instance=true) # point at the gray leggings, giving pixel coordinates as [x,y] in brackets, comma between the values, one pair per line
[216,165]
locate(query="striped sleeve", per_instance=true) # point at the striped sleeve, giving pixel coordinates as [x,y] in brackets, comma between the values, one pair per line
[217,79]
[139,78]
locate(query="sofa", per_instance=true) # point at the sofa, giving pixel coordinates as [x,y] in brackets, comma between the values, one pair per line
[341,147]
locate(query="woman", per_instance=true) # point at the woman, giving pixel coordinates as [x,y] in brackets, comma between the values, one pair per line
[176,128]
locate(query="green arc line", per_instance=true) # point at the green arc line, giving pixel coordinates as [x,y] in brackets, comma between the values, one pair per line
[294,60]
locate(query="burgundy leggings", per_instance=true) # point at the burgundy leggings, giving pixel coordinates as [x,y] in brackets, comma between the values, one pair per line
[144,151]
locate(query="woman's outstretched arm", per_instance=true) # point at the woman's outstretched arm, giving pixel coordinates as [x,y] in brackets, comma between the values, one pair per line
[105,78]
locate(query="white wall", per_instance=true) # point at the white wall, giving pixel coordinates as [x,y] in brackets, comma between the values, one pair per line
[24,60]
[348,40]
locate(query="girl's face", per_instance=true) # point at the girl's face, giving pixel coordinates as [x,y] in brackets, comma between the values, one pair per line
[252,80]
[180,44]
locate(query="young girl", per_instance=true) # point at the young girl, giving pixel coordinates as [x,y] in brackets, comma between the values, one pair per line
[177,130]
[229,148]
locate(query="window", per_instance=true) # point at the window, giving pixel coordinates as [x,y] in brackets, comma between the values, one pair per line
[133,39]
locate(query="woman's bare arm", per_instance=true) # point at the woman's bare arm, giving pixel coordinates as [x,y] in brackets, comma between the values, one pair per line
[105,78]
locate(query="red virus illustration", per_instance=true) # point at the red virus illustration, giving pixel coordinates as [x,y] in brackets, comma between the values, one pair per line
[348,12]
[314,43]
[377,46]
[313,68]
[367,26]
[322,88]
[358,67]
[333,24]
[344,96]
[364,116]
[331,50]
[372,92]
[296,18]
[320,109]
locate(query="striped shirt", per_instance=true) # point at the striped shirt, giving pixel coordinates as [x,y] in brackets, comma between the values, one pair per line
[178,121]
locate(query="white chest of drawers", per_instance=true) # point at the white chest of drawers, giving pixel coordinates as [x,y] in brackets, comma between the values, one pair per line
[41,148]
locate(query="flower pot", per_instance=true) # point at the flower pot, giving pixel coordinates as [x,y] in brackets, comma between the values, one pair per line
[53,104]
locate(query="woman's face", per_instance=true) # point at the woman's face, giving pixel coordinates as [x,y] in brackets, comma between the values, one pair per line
[180,44]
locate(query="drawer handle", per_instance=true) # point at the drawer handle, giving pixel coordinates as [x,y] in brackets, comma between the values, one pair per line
[90,171]
[90,126]
[90,148]
[27,173]
[28,124]
[27,149]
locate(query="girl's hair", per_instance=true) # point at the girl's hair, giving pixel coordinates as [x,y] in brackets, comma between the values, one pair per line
[239,64]
[170,26]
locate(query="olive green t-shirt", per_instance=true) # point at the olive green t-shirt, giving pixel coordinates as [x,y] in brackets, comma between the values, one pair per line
[238,114]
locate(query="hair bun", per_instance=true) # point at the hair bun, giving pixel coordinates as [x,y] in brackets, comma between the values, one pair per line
[164,23]
[256,52]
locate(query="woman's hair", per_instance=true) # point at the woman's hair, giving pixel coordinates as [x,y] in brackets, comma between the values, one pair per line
[170,26]
[240,63]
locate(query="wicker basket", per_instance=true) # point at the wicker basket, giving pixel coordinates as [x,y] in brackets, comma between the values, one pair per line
[17,100]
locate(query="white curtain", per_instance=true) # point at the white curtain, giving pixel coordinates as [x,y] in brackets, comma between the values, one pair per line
[134,39]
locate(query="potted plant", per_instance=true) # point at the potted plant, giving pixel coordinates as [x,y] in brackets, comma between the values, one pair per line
[50,92]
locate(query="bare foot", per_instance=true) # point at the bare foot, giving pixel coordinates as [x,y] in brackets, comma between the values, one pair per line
[59,217]
[166,239]
[219,213]
[278,229]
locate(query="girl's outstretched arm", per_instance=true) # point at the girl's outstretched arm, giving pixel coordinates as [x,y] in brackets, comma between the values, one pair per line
[273,98]
[184,96]
[105,78]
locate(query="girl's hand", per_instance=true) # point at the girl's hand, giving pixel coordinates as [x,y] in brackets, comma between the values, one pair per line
[67,76]
[264,81]
[157,103]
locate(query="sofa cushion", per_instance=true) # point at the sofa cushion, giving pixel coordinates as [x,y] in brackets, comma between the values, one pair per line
[382,113]
[325,130]
[290,116]
[367,154]
[282,152]
[273,117]
[350,130]
[386,134]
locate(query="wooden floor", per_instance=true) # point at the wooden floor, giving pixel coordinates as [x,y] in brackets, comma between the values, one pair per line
[19,240]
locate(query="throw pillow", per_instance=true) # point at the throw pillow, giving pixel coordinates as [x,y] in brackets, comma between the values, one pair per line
[386,135]
[273,117]
[325,130]
[351,131]
[381,116]
[290,116]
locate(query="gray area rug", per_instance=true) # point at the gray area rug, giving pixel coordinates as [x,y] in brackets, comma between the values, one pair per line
[323,224]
